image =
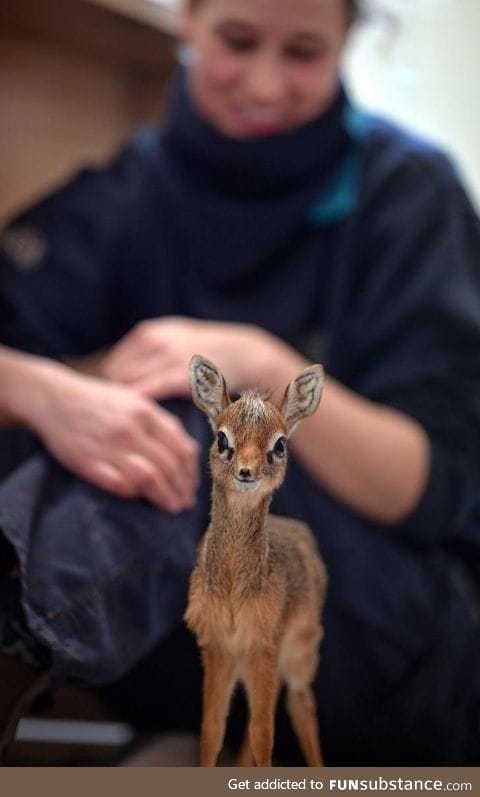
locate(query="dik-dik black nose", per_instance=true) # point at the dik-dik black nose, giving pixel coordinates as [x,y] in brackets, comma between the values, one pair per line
[244,473]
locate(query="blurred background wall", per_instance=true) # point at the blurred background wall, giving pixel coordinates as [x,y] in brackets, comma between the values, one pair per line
[418,61]
[77,76]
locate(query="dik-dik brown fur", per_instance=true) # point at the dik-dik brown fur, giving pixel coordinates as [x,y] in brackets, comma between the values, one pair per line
[258,586]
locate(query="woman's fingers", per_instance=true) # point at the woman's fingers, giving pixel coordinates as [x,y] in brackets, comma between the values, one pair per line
[140,349]
[107,477]
[165,428]
[160,460]
[171,383]
[141,471]
[153,484]
[132,366]
[179,473]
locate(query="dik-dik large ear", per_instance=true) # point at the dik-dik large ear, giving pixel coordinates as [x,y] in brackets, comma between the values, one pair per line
[302,395]
[209,390]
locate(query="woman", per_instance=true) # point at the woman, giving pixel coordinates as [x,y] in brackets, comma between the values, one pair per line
[265,225]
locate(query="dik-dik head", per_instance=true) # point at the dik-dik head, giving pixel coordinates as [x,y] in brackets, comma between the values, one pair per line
[250,450]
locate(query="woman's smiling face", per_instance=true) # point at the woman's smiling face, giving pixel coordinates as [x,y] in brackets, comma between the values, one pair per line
[264,66]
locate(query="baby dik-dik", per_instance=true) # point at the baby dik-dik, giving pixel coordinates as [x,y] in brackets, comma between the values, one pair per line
[258,587]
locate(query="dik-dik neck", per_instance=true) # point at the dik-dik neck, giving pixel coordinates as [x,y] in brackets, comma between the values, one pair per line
[237,543]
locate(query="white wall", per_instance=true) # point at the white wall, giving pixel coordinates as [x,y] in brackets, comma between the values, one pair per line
[422,68]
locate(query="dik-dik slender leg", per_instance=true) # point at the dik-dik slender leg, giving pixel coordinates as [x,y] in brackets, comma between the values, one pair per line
[299,668]
[245,756]
[262,689]
[302,711]
[218,682]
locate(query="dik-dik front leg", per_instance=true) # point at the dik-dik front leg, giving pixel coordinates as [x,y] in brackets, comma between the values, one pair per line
[218,682]
[262,689]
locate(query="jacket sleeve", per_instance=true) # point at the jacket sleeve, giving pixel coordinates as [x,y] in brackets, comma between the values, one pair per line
[59,262]
[409,336]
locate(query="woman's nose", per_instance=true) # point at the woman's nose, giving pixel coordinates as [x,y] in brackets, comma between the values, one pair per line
[265,79]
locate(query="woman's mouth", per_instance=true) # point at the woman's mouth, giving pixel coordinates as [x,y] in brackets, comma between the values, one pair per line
[257,123]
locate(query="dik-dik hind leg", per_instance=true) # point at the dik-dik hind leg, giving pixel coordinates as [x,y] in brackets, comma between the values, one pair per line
[218,682]
[262,689]
[303,714]
[299,669]
[301,708]
[244,757]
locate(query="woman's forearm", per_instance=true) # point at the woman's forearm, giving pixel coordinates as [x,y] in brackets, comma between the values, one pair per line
[373,458]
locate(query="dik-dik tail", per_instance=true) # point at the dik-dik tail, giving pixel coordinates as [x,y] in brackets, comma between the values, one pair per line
[258,586]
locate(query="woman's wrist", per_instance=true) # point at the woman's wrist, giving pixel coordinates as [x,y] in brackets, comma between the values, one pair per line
[26,381]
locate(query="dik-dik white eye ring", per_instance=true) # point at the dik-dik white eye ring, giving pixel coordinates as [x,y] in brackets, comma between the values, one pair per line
[278,449]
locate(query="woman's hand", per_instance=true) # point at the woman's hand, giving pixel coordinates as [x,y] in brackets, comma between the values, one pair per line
[153,357]
[107,434]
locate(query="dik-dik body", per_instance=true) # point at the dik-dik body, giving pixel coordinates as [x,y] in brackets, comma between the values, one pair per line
[258,587]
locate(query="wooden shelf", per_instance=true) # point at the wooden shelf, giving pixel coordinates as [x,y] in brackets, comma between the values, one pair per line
[161,15]
[76,78]
[134,32]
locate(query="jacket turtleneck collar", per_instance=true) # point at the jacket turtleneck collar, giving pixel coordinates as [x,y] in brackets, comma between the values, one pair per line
[264,167]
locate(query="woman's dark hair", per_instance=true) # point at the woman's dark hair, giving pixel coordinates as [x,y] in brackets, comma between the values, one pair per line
[352,7]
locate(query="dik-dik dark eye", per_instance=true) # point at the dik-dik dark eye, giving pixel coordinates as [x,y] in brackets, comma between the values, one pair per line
[280,447]
[224,445]
[222,441]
